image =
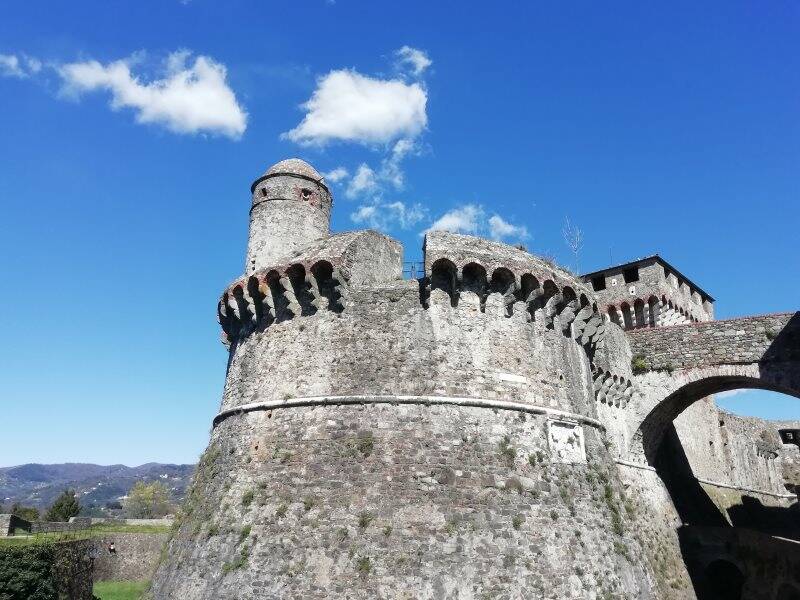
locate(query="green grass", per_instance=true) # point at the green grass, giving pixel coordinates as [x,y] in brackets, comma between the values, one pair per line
[120,590]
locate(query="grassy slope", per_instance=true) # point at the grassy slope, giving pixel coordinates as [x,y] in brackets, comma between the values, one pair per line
[120,590]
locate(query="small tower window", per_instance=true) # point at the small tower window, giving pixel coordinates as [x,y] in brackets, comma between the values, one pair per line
[306,193]
[264,192]
[631,275]
[599,283]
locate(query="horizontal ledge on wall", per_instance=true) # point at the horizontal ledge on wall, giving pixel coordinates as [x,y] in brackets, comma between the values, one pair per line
[626,463]
[424,400]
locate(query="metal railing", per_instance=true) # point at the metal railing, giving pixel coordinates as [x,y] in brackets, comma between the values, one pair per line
[414,269]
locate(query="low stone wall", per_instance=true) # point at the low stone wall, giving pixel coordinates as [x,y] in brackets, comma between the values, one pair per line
[8,523]
[55,527]
[136,555]
[84,521]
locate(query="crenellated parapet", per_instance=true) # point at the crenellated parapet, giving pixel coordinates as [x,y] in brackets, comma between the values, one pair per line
[464,265]
[278,294]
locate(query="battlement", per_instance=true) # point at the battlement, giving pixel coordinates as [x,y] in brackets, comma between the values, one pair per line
[462,265]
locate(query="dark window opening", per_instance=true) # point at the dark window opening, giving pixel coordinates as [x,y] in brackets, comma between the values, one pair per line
[264,192]
[631,275]
[599,283]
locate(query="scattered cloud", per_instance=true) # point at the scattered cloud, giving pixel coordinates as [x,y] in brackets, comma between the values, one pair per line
[416,60]
[363,182]
[21,67]
[336,175]
[500,229]
[386,215]
[729,393]
[472,219]
[189,99]
[351,107]
[464,219]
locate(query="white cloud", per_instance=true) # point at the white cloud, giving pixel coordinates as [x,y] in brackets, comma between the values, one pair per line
[729,393]
[337,175]
[363,182]
[416,60]
[391,171]
[349,106]
[22,66]
[465,219]
[471,219]
[189,99]
[500,229]
[385,215]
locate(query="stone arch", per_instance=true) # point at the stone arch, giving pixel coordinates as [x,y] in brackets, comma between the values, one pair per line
[504,282]
[653,311]
[668,395]
[474,281]
[256,297]
[528,283]
[627,316]
[302,289]
[613,315]
[638,310]
[444,276]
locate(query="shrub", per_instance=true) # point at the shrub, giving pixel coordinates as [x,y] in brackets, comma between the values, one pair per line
[364,566]
[147,500]
[639,365]
[517,522]
[65,506]
[364,519]
[244,532]
[247,498]
[506,451]
[280,512]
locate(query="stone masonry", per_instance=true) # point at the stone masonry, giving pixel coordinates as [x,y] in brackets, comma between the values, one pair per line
[464,435]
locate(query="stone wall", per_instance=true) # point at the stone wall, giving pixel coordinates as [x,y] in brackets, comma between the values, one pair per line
[402,502]
[136,556]
[414,447]
[741,452]
[10,523]
[769,565]
[731,341]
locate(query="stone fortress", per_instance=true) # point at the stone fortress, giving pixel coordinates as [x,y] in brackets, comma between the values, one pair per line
[498,428]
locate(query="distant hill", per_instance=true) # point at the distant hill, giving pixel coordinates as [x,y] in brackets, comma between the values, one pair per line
[38,485]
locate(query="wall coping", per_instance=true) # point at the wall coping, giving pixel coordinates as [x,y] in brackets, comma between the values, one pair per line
[422,400]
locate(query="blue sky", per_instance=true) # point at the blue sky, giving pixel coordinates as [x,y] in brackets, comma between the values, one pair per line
[130,133]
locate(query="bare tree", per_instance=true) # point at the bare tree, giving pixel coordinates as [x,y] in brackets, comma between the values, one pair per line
[573,237]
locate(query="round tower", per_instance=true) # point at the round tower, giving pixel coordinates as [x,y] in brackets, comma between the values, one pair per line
[291,208]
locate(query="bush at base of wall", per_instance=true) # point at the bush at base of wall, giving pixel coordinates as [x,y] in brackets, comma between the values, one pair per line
[45,571]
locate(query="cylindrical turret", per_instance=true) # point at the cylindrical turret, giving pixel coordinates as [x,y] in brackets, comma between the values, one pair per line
[291,208]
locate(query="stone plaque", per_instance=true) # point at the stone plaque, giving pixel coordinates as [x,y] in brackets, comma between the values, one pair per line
[565,439]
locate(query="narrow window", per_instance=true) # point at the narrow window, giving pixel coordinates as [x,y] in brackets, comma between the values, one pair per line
[264,192]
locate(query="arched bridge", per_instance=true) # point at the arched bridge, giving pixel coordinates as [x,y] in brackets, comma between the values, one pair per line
[684,363]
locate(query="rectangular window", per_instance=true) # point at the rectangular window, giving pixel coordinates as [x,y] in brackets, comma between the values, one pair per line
[599,283]
[631,275]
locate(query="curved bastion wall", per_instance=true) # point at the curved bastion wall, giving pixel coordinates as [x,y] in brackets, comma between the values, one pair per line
[447,437]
